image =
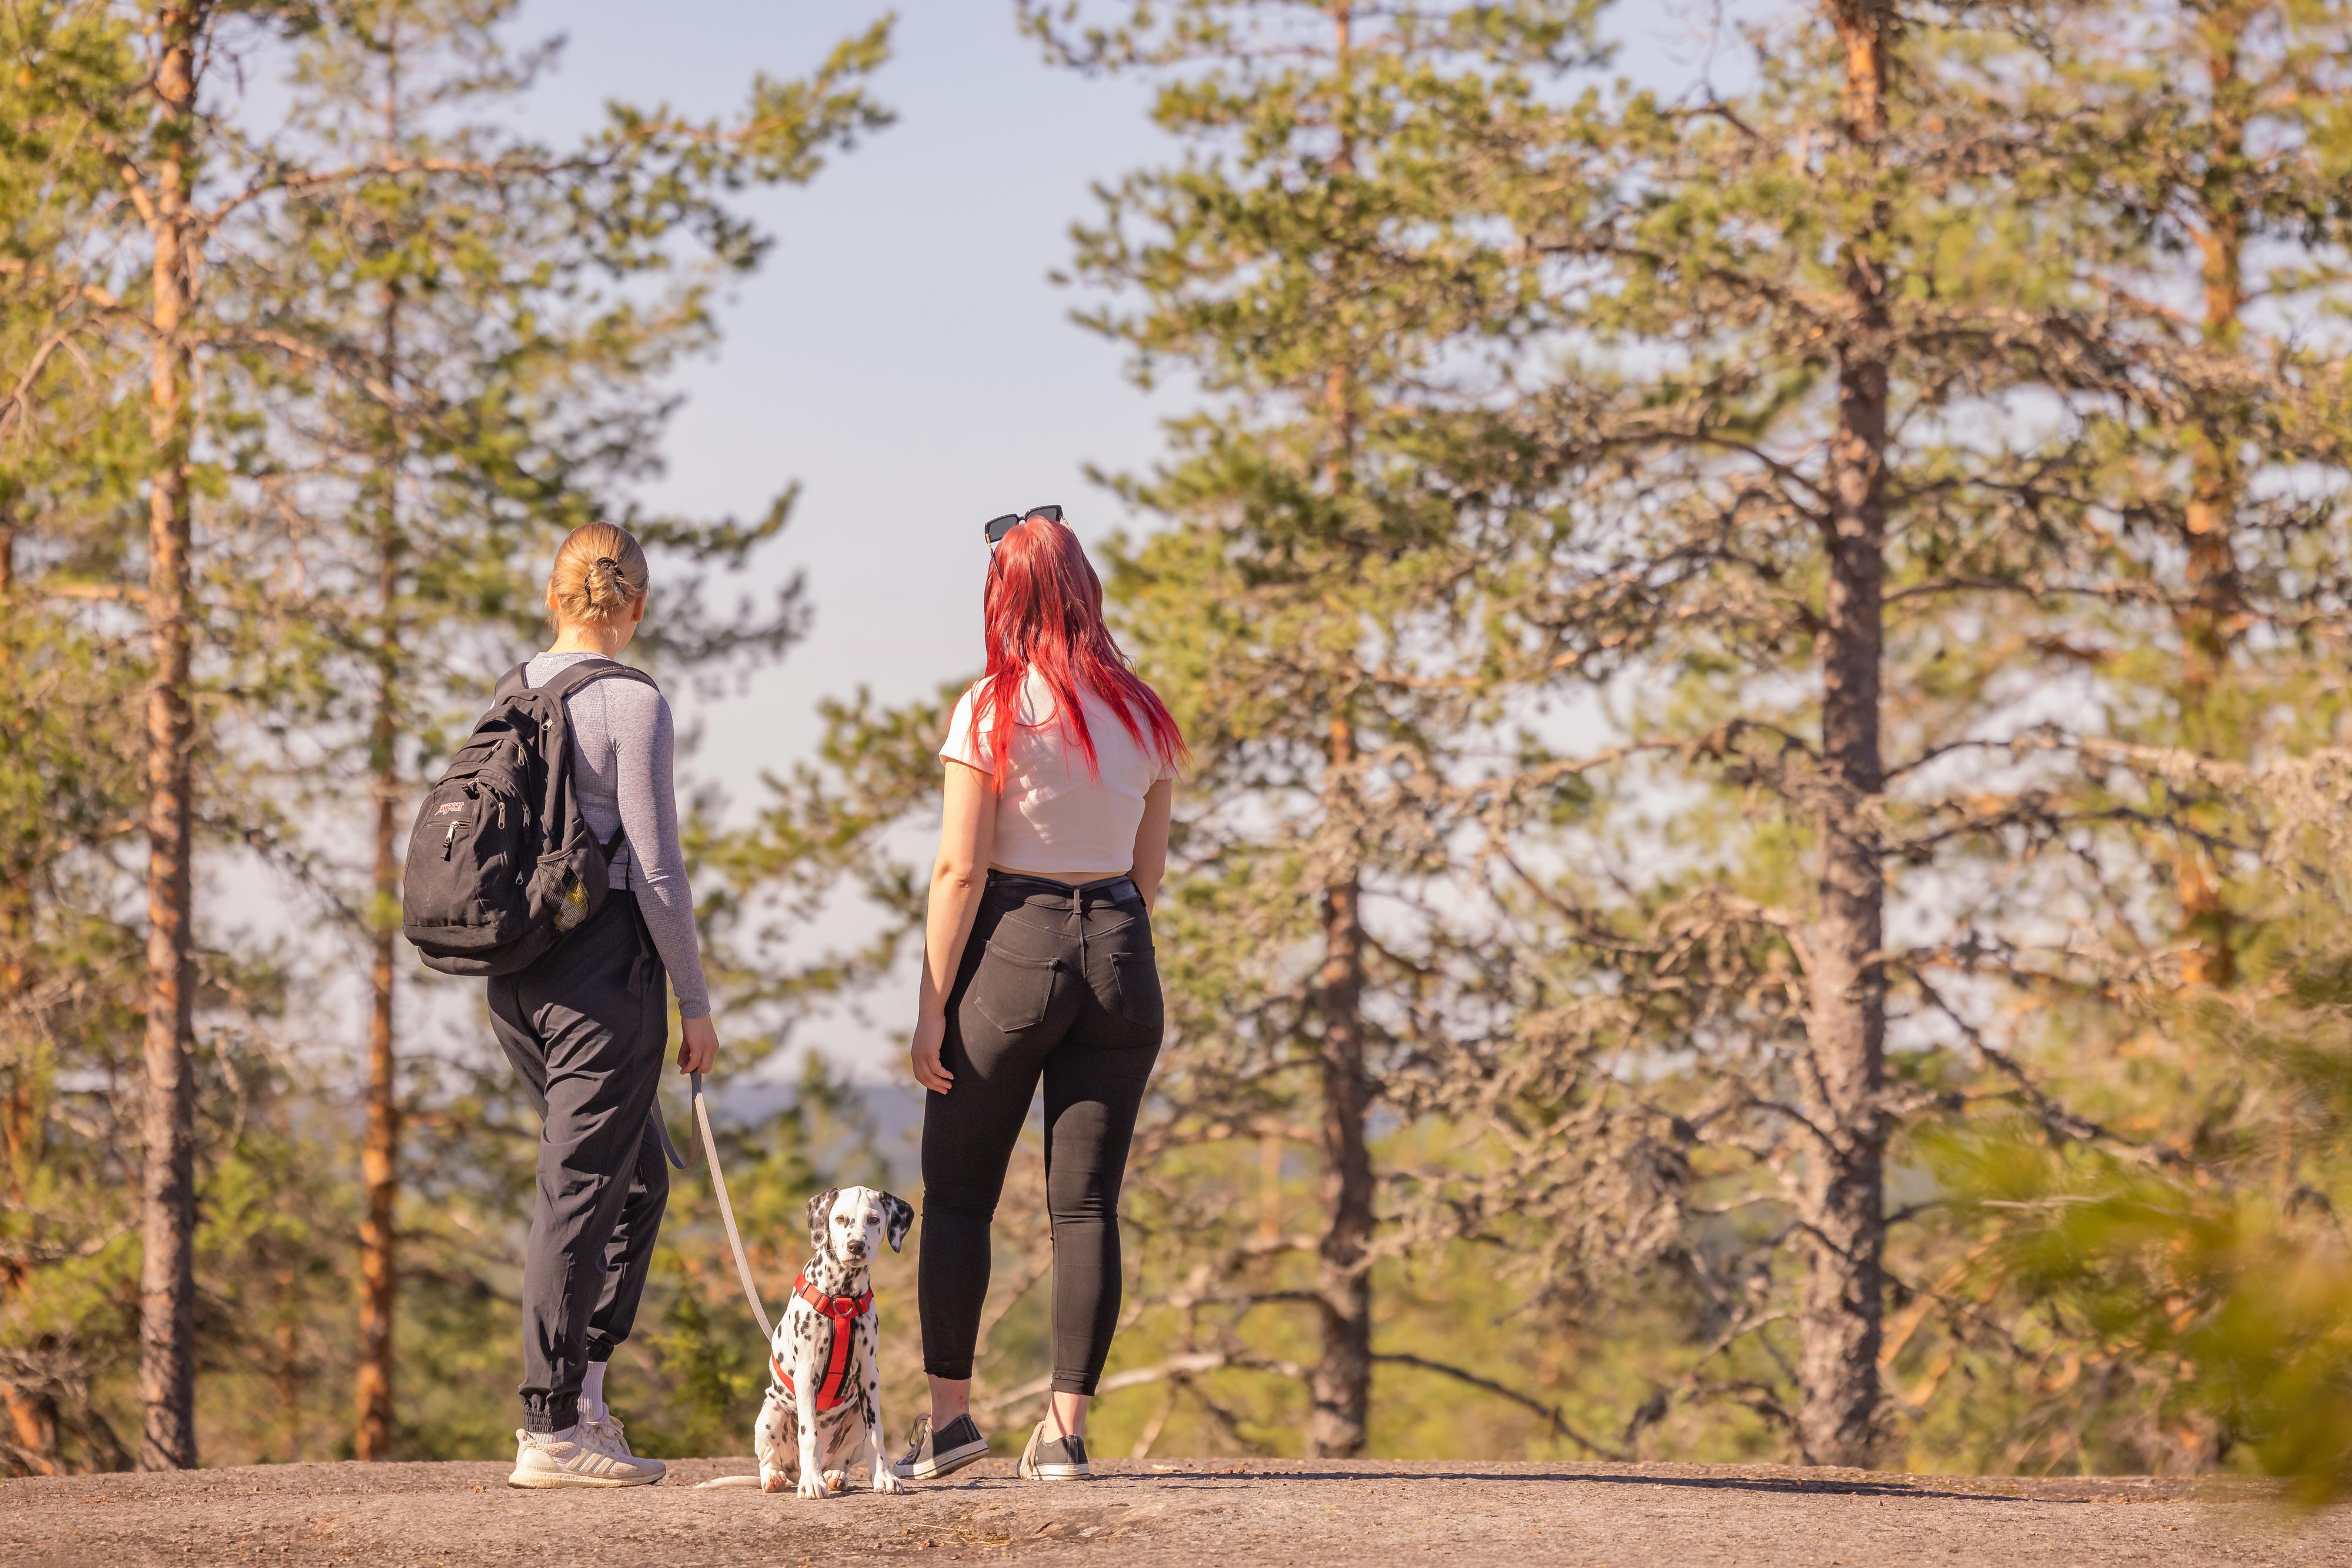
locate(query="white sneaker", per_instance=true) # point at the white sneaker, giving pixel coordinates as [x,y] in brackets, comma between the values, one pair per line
[609,1437]
[581,1459]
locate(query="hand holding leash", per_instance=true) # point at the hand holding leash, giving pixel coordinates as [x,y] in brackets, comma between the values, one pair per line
[697,1045]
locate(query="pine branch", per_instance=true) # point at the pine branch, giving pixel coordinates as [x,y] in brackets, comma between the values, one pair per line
[1558,1422]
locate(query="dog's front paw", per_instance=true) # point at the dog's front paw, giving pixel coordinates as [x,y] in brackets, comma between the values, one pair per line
[885,1481]
[836,1482]
[772,1480]
[813,1485]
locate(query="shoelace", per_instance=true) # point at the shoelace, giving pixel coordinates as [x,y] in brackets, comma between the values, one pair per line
[607,1437]
[915,1439]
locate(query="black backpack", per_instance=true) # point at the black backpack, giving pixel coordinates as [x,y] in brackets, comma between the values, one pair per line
[501,864]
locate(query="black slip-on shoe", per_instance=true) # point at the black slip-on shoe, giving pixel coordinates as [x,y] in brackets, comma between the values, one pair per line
[1054,1459]
[935,1453]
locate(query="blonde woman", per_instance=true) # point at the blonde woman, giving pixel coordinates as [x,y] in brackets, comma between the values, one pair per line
[585,1025]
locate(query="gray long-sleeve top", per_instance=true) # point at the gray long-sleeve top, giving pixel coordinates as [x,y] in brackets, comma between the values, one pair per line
[623,747]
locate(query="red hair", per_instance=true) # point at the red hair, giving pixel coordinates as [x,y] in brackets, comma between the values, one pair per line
[1043,612]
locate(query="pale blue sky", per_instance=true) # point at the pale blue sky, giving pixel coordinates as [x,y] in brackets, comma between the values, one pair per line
[902,353]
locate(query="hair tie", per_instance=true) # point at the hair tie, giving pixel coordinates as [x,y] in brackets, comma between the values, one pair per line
[609,564]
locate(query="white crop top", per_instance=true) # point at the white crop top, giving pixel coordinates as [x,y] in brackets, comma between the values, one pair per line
[1054,817]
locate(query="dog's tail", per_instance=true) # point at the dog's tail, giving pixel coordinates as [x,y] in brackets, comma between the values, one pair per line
[726,1482]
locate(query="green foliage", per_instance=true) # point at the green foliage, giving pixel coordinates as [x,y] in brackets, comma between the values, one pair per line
[2228,1311]
[69,770]
[771,882]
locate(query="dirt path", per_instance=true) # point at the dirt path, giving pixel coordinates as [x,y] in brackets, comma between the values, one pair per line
[1184,1511]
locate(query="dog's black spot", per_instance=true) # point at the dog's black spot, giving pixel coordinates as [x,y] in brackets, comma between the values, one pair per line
[820,1209]
[897,1215]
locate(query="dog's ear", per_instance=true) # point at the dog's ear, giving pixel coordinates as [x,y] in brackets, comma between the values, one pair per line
[897,1214]
[820,1210]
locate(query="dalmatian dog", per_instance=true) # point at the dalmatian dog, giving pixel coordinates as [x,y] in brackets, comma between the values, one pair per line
[823,1408]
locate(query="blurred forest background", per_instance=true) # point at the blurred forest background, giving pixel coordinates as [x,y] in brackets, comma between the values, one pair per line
[1766,872]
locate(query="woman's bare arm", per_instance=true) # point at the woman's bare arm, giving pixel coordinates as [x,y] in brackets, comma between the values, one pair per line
[967,834]
[1151,840]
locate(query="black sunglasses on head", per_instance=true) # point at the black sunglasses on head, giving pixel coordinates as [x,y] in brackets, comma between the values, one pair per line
[995,529]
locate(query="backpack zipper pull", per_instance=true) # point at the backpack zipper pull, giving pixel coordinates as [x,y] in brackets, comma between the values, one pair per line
[449,840]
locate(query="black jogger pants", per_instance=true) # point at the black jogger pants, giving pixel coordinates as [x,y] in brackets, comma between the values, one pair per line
[1059,984]
[586,1028]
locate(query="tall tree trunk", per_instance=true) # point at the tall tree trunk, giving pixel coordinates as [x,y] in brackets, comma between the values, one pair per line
[23,1123]
[167,1287]
[286,1376]
[1842,1207]
[20,1120]
[32,1412]
[1341,1382]
[2207,623]
[379,1282]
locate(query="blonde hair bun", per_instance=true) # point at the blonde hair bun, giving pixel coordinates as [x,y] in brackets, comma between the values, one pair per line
[599,575]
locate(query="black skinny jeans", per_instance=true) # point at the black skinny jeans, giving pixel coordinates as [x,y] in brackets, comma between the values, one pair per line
[1060,984]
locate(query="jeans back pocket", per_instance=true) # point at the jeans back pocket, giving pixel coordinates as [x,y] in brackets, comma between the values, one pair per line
[1141,1002]
[1012,990]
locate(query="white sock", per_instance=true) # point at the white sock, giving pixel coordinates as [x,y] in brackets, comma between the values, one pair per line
[591,1392]
[568,1435]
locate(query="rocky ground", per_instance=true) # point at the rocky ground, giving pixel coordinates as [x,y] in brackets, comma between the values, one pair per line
[1167,1511]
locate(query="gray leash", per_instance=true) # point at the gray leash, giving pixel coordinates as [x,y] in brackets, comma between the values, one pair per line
[726,1209]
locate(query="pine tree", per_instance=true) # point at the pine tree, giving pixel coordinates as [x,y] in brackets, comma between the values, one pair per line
[70,688]
[142,264]
[1311,611]
[2218,152]
[1779,257]
[163,172]
[440,319]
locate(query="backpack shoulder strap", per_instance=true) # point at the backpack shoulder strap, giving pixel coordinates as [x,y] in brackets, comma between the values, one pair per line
[572,679]
[513,681]
[576,677]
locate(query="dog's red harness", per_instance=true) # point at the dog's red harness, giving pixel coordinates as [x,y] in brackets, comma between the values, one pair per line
[843,1311]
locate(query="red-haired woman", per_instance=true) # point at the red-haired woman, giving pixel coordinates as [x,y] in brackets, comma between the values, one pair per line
[1061,768]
